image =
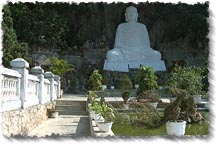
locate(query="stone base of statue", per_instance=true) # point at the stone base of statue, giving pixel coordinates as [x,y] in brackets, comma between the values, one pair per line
[124,66]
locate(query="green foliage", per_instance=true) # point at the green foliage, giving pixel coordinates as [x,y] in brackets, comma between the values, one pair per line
[205,83]
[186,78]
[125,83]
[147,79]
[91,96]
[40,25]
[95,106]
[103,109]
[149,95]
[144,116]
[12,49]
[105,79]
[60,67]
[95,81]
[125,96]
[107,112]
[183,108]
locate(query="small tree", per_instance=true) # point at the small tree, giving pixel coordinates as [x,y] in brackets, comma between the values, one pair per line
[125,85]
[11,47]
[186,78]
[60,67]
[95,81]
[147,80]
[184,83]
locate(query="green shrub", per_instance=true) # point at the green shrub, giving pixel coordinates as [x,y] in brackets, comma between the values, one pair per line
[186,78]
[144,116]
[149,95]
[91,96]
[125,83]
[95,81]
[147,80]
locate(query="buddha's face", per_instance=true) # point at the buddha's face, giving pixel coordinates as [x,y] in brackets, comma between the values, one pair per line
[131,14]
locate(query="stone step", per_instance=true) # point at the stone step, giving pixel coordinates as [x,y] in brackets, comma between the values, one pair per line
[70,102]
[71,108]
[63,112]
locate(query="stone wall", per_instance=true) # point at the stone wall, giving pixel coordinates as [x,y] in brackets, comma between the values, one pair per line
[21,121]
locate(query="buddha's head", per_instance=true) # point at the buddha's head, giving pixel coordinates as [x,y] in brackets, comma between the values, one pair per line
[131,14]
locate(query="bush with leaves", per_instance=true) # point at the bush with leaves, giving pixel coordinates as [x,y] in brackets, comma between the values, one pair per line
[95,81]
[12,49]
[148,95]
[186,78]
[60,67]
[91,96]
[147,80]
[125,85]
[145,116]
[107,112]
[183,108]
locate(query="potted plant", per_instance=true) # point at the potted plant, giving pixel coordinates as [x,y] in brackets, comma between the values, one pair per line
[174,124]
[125,85]
[91,96]
[95,81]
[107,112]
[147,81]
[125,96]
[105,81]
[187,78]
[181,111]
[52,113]
[149,96]
[95,110]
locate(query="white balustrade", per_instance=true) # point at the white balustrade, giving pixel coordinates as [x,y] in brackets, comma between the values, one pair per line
[32,90]
[19,89]
[10,94]
[46,90]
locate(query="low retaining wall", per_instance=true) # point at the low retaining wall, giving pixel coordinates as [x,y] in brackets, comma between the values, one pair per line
[94,130]
[21,121]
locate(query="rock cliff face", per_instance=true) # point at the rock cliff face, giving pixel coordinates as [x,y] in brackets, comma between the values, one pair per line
[178,31]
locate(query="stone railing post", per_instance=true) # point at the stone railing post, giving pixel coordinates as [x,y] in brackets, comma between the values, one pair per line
[20,65]
[1,76]
[38,71]
[57,79]
[50,77]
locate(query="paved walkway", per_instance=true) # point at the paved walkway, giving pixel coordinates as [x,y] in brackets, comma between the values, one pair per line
[65,125]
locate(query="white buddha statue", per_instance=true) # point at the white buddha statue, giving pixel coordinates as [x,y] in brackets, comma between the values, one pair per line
[132,46]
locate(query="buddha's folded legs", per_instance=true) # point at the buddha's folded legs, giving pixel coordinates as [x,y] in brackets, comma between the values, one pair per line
[114,54]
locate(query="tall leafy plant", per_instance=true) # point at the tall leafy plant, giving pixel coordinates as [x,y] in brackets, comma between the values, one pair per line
[95,81]
[11,47]
[60,67]
[147,80]
[186,78]
[125,85]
